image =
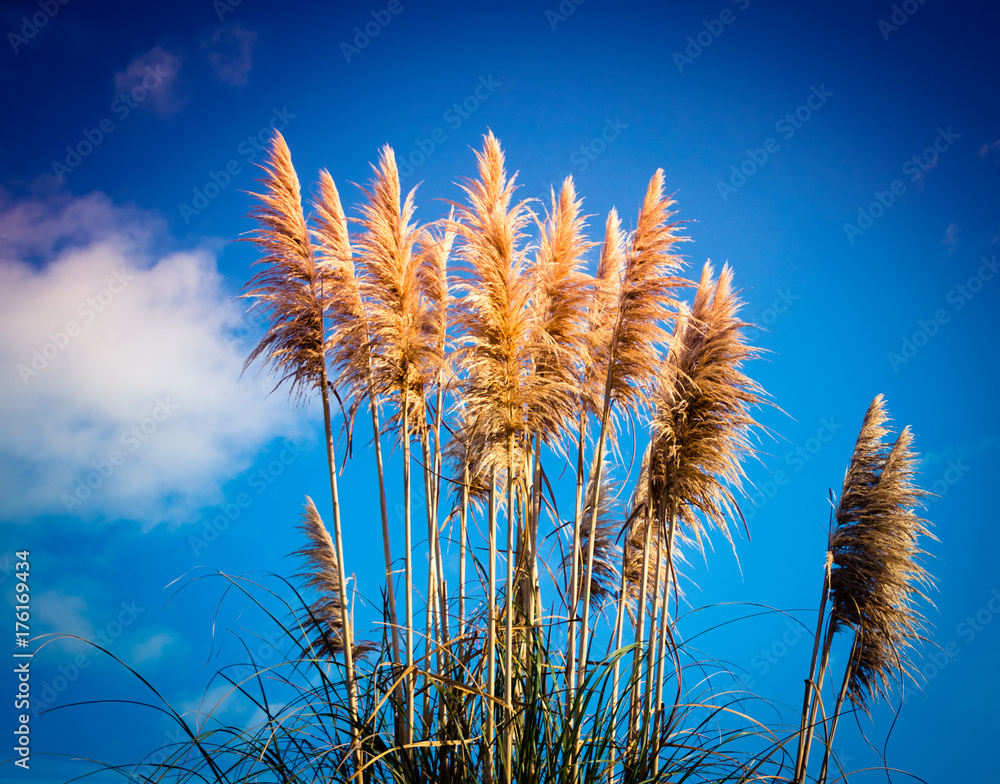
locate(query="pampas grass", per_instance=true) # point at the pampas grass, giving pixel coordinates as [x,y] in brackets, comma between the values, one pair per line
[293,287]
[874,579]
[632,356]
[550,650]
[514,357]
[519,354]
[329,612]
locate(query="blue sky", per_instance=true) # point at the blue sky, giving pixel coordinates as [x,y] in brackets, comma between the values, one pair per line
[843,158]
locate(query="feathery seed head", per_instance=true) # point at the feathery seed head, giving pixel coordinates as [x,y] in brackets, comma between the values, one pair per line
[876,579]
[399,317]
[348,321]
[559,329]
[645,301]
[432,273]
[493,316]
[324,617]
[292,288]
[702,423]
[602,312]
[331,236]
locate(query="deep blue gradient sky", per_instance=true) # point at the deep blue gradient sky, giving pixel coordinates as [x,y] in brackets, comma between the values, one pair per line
[863,229]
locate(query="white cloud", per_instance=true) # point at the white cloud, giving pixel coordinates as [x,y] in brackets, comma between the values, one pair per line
[120,373]
[964,451]
[225,703]
[63,613]
[951,237]
[153,647]
[150,80]
[230,53]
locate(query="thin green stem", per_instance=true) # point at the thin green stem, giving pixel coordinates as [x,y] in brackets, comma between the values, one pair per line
[352,695]
[575,564]
[589,572]
[510,604]
[839,705]
[810,679]
[491,634]
[408,577]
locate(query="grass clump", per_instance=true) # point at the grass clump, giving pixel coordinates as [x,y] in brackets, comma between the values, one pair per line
[488,355]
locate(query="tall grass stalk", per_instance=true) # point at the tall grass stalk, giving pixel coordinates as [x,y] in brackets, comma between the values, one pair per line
[631,358]
[293,287]
[351,353]
[874,578]
[556,655]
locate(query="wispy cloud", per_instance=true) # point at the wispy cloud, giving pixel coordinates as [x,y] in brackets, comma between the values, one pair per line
[223,703]
[955,451]
[121,380]
[151,81]
[62,612]
[951,238]
[34,229]
[986,149]
[230,53]
[920,174]
[152,647]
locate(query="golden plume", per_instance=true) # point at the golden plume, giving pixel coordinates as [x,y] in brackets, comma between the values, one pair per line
[292,288]
[323,619]
[876,578]
[560,304]
[701,425]
[399,318]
